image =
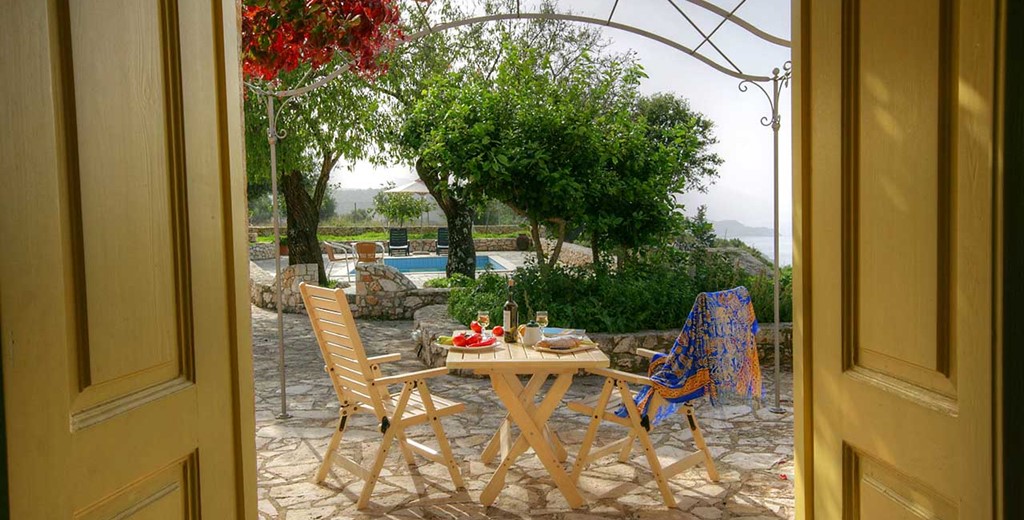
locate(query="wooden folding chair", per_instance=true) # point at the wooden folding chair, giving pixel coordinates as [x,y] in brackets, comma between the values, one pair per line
[360,386]
[602,408]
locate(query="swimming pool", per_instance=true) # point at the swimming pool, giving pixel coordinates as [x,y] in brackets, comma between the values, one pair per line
[437,264]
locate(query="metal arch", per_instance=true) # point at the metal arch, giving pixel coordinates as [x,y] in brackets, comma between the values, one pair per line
[743,24]
[707,37]
[589,20]
[727,17]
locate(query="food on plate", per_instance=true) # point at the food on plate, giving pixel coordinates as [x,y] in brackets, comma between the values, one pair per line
[444,340]
[483,342]
[498,331]
[476,327]
[465,338]
[564,342]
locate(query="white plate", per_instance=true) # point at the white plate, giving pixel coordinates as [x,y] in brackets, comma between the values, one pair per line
[454,348]
[581,348]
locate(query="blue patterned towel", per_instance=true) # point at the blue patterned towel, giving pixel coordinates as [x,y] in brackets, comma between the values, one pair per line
[715,354]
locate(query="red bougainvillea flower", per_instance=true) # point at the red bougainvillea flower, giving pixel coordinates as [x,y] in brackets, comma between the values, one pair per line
[280,35]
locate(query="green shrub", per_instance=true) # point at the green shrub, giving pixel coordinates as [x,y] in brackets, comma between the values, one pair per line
[487,293]
[457,280]
[763,295]
[655,293]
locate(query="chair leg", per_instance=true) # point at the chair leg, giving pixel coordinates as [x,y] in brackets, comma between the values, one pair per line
[698,440]
[407,454]
[595,424]
[385,443]
[628,447]
[645,441]
[378,464]
[442,440]
[386,397]
[332,447]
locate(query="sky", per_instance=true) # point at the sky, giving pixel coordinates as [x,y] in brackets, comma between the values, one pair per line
[743,190]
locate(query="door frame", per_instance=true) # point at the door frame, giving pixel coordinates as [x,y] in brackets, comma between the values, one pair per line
[1011,146]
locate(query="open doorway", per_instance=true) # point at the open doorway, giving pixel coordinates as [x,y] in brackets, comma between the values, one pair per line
[755,444]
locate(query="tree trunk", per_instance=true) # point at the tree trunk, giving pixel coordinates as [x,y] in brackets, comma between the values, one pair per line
[595,248]
[461,249]
[557,250]
[537,244]
[303,220]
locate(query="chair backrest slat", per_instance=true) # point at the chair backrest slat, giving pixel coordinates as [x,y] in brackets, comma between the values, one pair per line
[340,346]
[398,237]
[442,237]
[367,252]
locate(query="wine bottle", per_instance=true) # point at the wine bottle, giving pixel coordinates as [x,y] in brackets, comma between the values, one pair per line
[510,317]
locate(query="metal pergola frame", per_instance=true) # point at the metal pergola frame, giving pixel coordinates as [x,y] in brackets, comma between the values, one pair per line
[770,86]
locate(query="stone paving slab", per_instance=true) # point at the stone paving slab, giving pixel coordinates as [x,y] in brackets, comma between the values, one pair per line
[753,449]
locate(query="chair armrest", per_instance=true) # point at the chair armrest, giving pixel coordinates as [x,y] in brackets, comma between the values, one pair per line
[386,358]
[646,353]
[411,376]
[621,376]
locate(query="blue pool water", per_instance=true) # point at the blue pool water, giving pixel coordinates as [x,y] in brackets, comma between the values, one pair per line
[430,264]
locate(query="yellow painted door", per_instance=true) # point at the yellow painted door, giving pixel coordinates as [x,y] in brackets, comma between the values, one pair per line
[123,311]
[895,191]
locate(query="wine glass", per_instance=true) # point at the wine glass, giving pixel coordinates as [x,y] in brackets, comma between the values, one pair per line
[542,318]
[483,318]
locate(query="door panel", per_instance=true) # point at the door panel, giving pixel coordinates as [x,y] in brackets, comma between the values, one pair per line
[897,182]
[130,171]
[897,191]
[127,366]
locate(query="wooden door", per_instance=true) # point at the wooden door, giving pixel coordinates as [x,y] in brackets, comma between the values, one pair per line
[895,190]
[123,311]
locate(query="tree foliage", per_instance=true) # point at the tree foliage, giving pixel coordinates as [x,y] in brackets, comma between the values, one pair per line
[319,129]
[398,208]
[573,149]
[440,56]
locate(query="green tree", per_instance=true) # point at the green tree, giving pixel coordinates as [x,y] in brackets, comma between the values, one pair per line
[688,134]
[443,56]
[563,151]
[398,208]
[321,128]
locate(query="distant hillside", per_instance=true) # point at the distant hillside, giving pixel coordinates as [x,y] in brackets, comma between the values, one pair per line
[347,200]
[733,229]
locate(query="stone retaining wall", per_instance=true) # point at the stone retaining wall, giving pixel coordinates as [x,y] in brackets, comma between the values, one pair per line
[571,254]
[621,348]
[382,292]
[262,286]
[261,251]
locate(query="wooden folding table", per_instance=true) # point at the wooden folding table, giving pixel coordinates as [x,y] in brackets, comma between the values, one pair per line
[504,365]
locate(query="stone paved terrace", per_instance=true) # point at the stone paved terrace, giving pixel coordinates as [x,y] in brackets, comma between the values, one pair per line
[753,449]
